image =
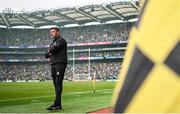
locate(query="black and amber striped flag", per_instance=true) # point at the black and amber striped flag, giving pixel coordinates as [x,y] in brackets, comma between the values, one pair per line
[150,74]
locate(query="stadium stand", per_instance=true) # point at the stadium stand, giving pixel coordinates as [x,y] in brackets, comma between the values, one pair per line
[41,72]
[96,48]
[95,33]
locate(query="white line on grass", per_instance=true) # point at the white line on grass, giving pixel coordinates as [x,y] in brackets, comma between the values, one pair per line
[67,93]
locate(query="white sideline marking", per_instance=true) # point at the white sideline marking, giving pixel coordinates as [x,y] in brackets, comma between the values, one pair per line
[68,93]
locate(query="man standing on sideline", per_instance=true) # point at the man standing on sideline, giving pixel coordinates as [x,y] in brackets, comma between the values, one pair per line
[57,52]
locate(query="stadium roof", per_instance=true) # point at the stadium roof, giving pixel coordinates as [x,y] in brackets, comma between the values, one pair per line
[77,15]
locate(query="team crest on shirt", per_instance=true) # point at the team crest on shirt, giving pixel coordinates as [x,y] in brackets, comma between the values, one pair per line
[57,73]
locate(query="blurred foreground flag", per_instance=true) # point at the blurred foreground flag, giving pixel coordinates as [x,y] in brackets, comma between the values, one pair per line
[150,76]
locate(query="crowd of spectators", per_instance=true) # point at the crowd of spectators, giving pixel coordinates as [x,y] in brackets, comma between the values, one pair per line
[23,37]
[102,71]
[22,57]
[41,72]
[97,33]
[24,72]
[73,35]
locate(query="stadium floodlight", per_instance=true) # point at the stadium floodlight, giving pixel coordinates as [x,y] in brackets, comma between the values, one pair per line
[2,26]
[72,25]
[48,26]
[24,27]
[92,23]
[114,21]
[133,20]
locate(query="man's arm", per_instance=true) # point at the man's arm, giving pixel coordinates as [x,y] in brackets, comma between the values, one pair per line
[60,44]
[47,55]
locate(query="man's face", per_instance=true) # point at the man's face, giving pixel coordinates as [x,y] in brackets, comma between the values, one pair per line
[54,33]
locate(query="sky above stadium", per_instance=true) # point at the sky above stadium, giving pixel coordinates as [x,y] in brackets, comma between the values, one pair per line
[32,5]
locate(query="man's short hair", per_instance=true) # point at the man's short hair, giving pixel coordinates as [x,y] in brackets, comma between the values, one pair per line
[55,28]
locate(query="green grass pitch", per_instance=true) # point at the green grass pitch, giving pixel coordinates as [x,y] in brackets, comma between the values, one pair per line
[34,97]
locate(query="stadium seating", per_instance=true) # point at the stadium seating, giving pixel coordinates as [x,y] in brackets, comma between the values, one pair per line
[41,72]
[40,37]
[95,33]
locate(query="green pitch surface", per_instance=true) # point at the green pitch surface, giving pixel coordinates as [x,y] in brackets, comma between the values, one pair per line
[34,97]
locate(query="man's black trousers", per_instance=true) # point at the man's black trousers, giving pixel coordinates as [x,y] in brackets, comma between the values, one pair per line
[57,71]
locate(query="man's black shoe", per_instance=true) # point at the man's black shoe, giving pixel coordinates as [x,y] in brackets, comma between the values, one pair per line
[54,107]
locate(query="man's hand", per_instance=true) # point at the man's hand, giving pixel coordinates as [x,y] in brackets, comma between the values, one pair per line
[47,55]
